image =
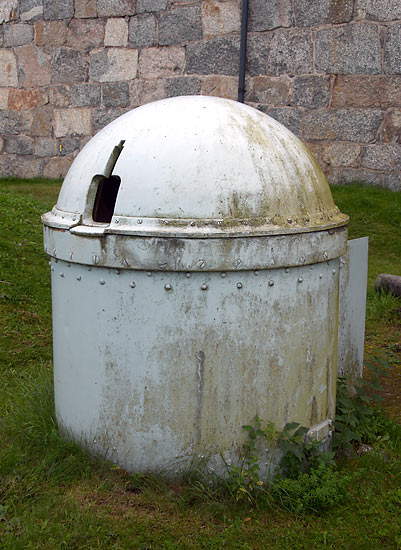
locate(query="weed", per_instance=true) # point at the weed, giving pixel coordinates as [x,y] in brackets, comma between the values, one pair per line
[318,490]
[356,420]
[53,495]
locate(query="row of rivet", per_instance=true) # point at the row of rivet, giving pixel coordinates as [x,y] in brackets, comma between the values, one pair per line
[200,263]
[223,274]
[204,286]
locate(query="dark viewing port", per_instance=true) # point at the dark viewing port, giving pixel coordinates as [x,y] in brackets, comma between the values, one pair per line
[105,200]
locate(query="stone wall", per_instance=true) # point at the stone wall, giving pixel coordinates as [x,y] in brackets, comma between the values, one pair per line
[330,70]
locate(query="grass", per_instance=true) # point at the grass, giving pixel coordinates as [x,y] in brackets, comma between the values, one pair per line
[53,495]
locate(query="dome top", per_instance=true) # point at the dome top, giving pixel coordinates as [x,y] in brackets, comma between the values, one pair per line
[195,166]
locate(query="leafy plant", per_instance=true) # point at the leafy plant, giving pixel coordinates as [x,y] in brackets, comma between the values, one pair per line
[300,454]
[356,420]
[318,489]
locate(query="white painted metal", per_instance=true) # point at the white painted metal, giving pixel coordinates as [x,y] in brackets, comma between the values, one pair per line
[211,296]
[154,369]
[351,325]
[157,253]
[195,161]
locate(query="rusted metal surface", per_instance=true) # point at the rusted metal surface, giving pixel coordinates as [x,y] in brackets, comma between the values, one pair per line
[154,369]
[351,328]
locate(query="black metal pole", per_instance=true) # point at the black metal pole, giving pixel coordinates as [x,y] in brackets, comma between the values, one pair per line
[242,51]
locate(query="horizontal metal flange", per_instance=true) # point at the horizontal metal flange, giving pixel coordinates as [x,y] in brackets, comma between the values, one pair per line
[180,254]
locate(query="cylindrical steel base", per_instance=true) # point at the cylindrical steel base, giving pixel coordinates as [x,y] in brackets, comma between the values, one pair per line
[154,369]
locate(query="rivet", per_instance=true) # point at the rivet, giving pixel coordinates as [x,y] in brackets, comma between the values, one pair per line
[300,279]
[168,287]
[268,220]
[95,259]
[256,272]
[71,255]
[125,262]
[177,456]
[132,285]
[239,285]
[116,221]
[307,219]
[102,282]
[302,260]
[114,448]
[272,262]
[320,275]
[61,274]
[289,220]
[149,273]
[325,255]
[204,286]
[311,267]
[223,274]
[117,272]
[139,221]
[78,277]
[333,271]
[89,269]
[68,265]
[328,262]
[287,270]
[94,441]
[163,265]
[165,222]
[50,263]
[201,263]
[192,224]
[74,218]
[271,283]
[52,268]
[237,262]
[54,251]
[188,275]
[56,260]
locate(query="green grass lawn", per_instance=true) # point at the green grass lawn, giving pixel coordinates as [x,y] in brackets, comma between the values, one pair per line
[52,495]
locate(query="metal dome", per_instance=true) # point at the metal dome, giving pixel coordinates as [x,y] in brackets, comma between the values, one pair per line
[196,167]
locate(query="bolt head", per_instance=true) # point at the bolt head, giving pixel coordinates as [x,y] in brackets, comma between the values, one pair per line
[61,274]
[223,274]
[188,275]
[239,285]
[102,282]
[168,286]
[300,280]
[204,286]
[271,283]
[78,277]
[139,221]
[192,224]
[133,284]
